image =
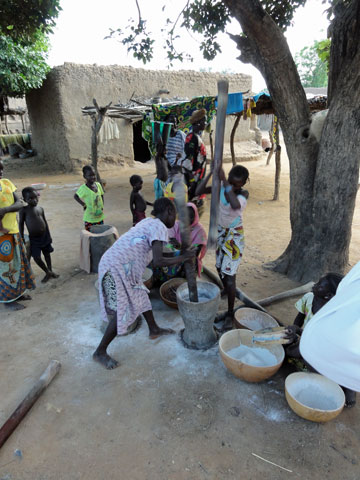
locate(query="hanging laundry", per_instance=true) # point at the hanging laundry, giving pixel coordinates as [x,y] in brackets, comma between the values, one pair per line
[235,103]
[108,131]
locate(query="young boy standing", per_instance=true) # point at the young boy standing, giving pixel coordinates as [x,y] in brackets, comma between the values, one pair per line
[137,201]
[33,217]
[91,198]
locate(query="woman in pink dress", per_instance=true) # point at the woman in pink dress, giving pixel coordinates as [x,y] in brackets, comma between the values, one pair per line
[123,295]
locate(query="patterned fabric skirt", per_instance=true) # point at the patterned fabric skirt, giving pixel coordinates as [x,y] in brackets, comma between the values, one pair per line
[110,298]
[230,247]
[15,272]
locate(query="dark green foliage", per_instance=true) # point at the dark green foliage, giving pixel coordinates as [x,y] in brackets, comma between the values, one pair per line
[21,19]
[22,67]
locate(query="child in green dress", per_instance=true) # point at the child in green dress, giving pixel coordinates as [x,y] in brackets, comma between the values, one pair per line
[91,198]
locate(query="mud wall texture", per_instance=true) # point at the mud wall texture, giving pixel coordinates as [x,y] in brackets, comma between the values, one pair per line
[62,135]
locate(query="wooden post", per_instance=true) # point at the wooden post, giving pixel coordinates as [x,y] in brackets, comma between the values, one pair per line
[189,265]
[211,145]
[22,122]
[271,137]
[232,137]
[15,418]
[98,120]
[277,162]
[223,87]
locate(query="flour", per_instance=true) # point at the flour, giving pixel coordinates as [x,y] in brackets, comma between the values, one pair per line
[314,397]
[257,357]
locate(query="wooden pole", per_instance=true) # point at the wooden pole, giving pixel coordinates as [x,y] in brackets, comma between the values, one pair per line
[287,294]
[271,137]
[15,418]
[98,120]
[223,87]
[189,265]
[277,163]
[232,138]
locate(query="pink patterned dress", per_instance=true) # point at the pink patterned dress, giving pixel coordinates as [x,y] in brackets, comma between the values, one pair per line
[126,261]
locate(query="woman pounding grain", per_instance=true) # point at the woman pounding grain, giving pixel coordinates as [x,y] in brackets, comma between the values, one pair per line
[122,294]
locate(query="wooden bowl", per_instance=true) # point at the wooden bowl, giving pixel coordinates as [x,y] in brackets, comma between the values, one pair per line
[172,284]
[253,319]
[249,373]
[147,278]
[314,397]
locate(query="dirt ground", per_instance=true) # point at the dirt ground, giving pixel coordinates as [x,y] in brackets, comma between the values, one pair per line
[167,413]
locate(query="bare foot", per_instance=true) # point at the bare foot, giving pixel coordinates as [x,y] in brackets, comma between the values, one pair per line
[24,297]
[14,306]
[159,332]
[220,317]
[105,360]
[46,278]
[350,397]
[228,323]
[54,275]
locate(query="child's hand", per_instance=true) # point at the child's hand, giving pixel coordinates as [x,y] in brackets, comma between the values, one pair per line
[222,175]
[292,332]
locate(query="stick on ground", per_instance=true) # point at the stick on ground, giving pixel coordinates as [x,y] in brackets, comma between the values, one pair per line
[15,418]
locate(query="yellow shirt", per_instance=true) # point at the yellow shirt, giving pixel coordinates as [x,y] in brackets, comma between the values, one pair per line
[7,189]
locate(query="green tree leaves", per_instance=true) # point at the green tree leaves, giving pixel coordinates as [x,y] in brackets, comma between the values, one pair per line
[22,67]
[313,70]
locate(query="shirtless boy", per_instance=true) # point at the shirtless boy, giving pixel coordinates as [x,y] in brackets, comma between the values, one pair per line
[33,217]
[137,201]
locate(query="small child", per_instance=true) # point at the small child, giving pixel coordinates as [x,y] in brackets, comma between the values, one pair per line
[91,198]
[322,291]
[33,217]
[230,241]
[137,201]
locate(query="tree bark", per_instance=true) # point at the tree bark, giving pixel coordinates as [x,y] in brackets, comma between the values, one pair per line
[324,175]
[232,137]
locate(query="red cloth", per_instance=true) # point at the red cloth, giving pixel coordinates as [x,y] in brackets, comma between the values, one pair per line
[138,216]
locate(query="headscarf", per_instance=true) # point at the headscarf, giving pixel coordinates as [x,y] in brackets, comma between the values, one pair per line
[197,235]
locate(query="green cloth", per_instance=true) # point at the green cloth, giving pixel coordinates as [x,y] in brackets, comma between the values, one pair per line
[21,138]
[94,211]
[182,111]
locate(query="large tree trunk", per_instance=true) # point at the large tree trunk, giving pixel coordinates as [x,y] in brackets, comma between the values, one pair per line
[324,176]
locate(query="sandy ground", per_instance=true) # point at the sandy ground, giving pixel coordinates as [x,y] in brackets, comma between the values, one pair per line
[167,412]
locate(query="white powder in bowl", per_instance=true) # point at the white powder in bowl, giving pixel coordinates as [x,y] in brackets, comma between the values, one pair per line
[257,357]
[314,397]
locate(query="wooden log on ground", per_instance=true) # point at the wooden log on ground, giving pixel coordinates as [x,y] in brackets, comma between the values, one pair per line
[287,294]
[15,418]
[247,301]
[223,87]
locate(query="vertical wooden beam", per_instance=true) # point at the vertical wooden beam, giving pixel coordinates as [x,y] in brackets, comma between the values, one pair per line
[232,137]
[223,88]
[277,162]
